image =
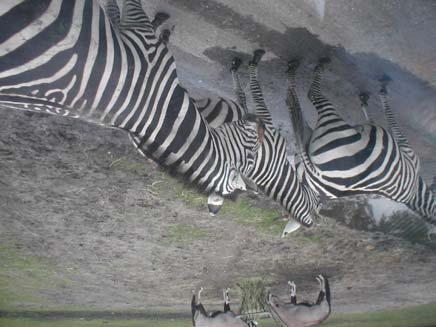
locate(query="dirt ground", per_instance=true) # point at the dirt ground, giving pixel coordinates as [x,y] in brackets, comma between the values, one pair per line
[104,229]
[86,222]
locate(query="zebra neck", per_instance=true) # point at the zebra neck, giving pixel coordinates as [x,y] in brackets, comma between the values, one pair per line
[288,190]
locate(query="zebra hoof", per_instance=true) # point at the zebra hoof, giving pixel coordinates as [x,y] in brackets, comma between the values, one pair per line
[257,56]
[364,97]
[159,19]
[293,65]
[165,36]
[384,81]
[324,60]
[236,63]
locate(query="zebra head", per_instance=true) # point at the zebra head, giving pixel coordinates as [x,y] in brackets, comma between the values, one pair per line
[239,141]
[275,175]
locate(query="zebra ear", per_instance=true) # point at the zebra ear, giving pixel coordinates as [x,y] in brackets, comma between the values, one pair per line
[134,17]
[237,180]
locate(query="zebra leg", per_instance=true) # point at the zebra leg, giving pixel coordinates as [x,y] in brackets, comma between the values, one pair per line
[320,279]
[364,97]
[390,118]
[256,91]
[214,203]
[226,300]
[293,292]
[239,92]
[296,116]
[294,107]
[315,94]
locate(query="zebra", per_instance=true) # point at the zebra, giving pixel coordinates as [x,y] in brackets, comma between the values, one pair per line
[342,160]
[272,172]
[72,58]
[303,314]
[225,318]
[299,200]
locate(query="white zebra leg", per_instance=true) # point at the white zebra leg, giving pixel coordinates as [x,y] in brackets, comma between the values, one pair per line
[237,88]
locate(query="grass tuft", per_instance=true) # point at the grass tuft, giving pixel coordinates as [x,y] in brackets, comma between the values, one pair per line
[184,234]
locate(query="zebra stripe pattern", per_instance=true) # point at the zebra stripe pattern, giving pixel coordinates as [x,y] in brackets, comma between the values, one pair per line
[365,158]
[71,58]
[272,171]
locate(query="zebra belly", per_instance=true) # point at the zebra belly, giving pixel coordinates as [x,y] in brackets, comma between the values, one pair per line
[357,160]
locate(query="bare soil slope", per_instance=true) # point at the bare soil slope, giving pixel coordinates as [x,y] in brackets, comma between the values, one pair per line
[86,222]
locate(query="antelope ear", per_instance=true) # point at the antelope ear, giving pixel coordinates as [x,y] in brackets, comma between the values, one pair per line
[290,227]
[250,184]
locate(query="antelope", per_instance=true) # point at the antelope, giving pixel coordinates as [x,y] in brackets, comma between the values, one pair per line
[303,314]
[226,318]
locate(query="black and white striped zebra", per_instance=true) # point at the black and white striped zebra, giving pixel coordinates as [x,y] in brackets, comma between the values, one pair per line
[343,160]
[272,173]
[68,58]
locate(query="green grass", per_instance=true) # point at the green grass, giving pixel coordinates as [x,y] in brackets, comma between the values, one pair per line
[127,165]
[22,276]
[244,212]
[184,234]
[94,323]
[419,316]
